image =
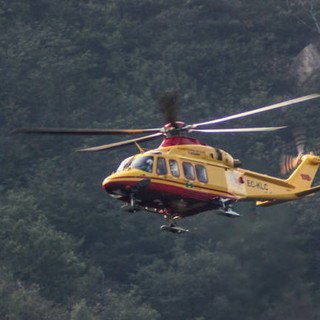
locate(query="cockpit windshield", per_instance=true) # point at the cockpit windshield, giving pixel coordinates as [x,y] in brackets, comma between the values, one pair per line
[124,164]
[144,163]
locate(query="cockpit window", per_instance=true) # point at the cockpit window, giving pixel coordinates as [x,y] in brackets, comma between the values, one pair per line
[124,164]
[144,163]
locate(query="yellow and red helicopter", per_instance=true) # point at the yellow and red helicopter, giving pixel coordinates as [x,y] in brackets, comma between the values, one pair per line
[183,176]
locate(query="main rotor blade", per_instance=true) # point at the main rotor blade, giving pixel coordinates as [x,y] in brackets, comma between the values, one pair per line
[82,131]
[121,143]
[237,130]
[259,110]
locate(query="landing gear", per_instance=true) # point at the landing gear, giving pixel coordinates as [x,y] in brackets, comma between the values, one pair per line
[226,208]
[173,227]
[132,205]
[140,186]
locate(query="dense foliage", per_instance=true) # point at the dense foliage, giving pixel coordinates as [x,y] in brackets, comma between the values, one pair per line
[67,251]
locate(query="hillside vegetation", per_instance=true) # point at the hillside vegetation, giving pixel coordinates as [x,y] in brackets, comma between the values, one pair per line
[67,250]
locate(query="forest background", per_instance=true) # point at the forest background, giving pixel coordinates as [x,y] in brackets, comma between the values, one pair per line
[67,251]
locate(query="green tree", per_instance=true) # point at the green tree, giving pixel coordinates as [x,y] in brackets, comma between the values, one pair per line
[81,312]
[21,302]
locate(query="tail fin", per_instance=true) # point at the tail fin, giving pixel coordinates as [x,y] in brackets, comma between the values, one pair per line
[303,176]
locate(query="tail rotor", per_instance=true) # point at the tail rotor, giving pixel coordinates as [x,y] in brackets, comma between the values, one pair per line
[288,162]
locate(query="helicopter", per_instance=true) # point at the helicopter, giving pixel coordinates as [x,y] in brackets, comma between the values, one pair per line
[184,177]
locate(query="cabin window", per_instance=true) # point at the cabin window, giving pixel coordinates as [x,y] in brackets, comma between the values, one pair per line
[124,164]
[219,154]
[174,168]
[201,173]
[188,170]
[144,163]
[161,166]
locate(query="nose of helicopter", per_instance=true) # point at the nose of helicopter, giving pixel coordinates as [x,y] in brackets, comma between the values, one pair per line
[114,185]
[120,184]
[106,183]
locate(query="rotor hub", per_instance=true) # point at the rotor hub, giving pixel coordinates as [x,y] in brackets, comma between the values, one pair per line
[176,124]
[175,128]
[179,140]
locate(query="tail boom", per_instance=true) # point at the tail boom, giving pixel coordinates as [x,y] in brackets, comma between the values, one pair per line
[267,190]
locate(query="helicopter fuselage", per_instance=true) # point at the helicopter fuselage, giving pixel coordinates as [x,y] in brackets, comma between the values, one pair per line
[184,177]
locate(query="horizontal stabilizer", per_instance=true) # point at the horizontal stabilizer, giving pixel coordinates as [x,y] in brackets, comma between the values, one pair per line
[308,191]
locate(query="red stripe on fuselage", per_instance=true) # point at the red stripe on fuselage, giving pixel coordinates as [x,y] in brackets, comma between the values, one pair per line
[196,185]
[206,195]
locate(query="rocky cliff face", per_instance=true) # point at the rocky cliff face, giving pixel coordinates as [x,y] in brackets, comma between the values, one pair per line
[306,65]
